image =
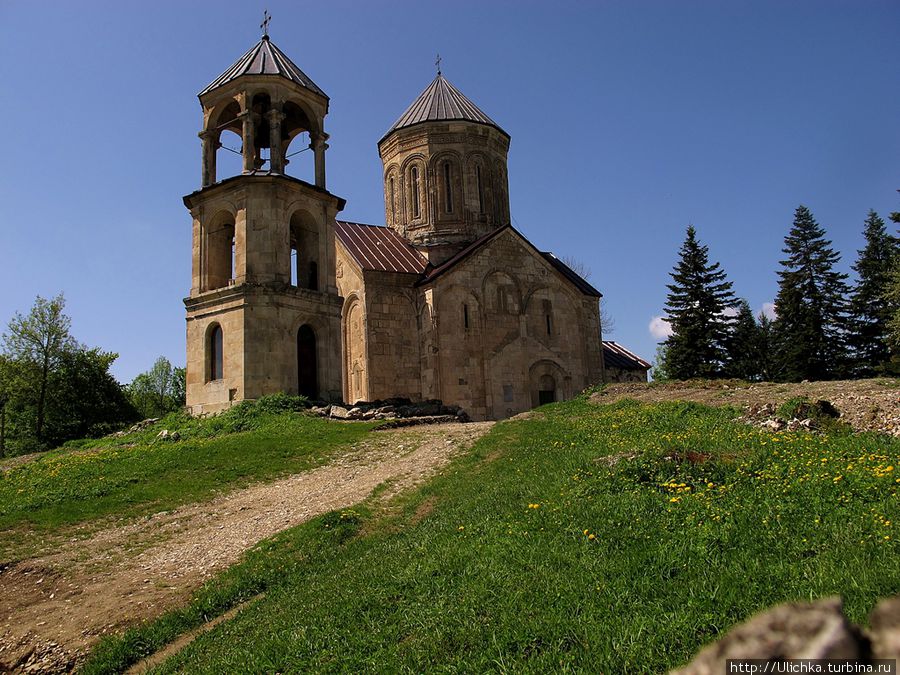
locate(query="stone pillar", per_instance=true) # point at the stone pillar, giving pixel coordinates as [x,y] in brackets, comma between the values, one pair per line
[319,146]
[249,141]
[208,157]
[276,151]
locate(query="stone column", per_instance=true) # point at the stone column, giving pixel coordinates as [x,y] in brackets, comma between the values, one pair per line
[208,157]
[319,146]
[249,141]
[276,151]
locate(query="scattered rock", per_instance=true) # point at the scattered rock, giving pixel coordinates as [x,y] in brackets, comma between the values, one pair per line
[395,408]
[817,630]
[884,629]
[338,412]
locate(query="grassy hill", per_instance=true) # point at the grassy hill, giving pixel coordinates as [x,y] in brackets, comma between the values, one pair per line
[86,482]
[615,538]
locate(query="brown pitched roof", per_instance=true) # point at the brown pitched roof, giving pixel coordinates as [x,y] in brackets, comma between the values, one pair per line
[572,276]
[580,282]
[441,101]
[375,247]
[616,356]
[264,58]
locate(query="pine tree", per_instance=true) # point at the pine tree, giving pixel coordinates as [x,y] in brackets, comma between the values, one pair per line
[767,366]
[870,309]
[695,308]
[811,305]
[744,345]
[894,304]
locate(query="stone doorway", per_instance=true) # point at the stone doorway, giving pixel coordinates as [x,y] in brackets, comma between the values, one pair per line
[307,363]
[546,390]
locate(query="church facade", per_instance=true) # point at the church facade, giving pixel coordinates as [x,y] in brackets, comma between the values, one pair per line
[446,301]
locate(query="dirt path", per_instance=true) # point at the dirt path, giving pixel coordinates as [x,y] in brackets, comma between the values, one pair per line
[866,405]
[55,607]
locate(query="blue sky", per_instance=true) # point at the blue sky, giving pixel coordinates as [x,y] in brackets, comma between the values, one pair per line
[629,121]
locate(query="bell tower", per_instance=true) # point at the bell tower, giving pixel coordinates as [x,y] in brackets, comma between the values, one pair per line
[445,180]
[263,314]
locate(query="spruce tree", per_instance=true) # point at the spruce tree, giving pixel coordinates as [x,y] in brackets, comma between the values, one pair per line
[695,308]
[744,345]
[767,365]
[811,305]
[870,309]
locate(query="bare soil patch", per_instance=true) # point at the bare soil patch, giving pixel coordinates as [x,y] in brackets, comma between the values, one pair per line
[866,405]
[53,608]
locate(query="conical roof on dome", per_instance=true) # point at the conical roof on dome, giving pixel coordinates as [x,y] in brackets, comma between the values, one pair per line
[264,58]
[440,102]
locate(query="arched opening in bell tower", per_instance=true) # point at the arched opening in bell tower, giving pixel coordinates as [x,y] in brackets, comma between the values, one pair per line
[222,154]
[218,261]
[304,241]
[299,132]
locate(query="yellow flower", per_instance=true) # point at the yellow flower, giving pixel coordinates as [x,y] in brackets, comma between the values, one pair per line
[591,537]
[585,532]
[461,528]
[675,499]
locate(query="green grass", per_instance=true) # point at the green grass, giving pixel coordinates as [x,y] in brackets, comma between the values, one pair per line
[139,474]
[615,539]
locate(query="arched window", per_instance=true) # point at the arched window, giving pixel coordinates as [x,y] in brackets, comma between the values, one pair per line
[448,189]
[414,190]
[215,352]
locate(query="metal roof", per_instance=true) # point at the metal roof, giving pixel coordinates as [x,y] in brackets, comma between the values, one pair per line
[376,247]
[264,58]
[580,283]
[616,356]
[441,101]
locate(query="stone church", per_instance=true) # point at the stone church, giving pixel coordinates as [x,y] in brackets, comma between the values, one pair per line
[446,301]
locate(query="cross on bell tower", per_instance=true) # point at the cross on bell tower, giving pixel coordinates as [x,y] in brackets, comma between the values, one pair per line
[263,315]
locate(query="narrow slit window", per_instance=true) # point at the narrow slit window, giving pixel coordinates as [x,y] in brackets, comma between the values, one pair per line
[549,326]
[393,204]
[414,187]
[448,188]
[233,263]
[466,317]
[480,186]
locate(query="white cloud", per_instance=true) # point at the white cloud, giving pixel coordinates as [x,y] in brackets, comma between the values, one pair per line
[660,329]
[768,308]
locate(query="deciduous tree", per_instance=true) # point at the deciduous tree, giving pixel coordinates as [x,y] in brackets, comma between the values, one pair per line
[158,391]
[39,339]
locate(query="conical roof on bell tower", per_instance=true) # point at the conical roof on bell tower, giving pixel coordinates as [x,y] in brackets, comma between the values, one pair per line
[264,58]
[441,102]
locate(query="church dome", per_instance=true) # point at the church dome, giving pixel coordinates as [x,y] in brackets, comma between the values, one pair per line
[445,172]
[442,102]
